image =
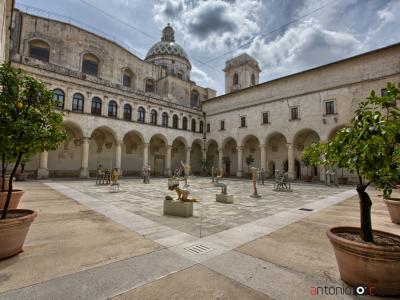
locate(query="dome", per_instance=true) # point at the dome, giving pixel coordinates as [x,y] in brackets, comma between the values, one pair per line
[167,45]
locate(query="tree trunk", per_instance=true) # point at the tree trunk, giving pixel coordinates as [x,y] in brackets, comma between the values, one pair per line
[10,186]
[365,214]
[3,172]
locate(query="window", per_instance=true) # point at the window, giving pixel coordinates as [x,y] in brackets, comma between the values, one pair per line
[383,92]
[330,107]
[243,121]
[77,102]
[164,119]
[184,123]
[175,121]
[179,75]
[194,99]
[112,109]
[127,112]
[127,78]
[149,86]
[90,64]
[58,97]
[201,129]
[235,79]
[153,117]
[222,125]
[265,118]
[141,114]
[39,50]
[96,106]
[193,125]
[253,79]
[294,113]
[208,127]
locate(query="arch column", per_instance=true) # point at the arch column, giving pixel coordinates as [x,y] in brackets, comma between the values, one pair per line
[263,153]
[188,149]
[220,155]
[146,154]
[322,169]
[168,162]
[68,99]
[118,153]
[239,172]
[43,171]
[84,172]
[290,161]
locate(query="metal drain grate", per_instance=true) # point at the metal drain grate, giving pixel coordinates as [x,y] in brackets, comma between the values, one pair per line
[306,209]
[199,249]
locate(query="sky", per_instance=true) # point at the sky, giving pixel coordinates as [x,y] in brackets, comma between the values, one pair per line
[284,36]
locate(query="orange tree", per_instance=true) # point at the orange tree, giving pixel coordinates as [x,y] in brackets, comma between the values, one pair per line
[28,122]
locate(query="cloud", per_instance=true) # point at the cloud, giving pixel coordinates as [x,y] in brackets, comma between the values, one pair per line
[198,75]
[305,46]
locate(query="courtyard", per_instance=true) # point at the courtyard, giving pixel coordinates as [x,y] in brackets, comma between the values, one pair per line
[88,243]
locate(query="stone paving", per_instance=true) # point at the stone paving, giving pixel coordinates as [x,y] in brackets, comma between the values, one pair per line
[146,200]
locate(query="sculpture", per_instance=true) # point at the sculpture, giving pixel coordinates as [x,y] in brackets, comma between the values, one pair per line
[114,179]
[182,194]
[221,173]
[261,176]
[102,176]
[254,180]
[281,182]
[146,173]
[212,174]
[186,168]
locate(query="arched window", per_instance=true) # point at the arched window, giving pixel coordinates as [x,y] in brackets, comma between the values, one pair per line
[58,97]
[112,109]
[184,123]
[175,121]
[235,78]
[39,50]
[179,74]
[165,119]
[141,114]
[149,86]
[193,127]
[127,78]
[127,112]
[96,106]
[90,64]
[153,117]
[194,98]
[77,102]
[201,129]
[253,79]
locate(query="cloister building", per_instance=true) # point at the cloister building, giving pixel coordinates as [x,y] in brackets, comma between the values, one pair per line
[124,112]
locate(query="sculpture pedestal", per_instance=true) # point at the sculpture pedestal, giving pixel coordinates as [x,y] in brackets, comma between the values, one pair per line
[255,196]
[178,208]
[224,198]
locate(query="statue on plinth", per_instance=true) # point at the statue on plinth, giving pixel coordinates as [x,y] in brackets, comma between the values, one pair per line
[254,180]
[114,180]
[182,194]
[146,173]
[212,174]
[186,169]
[281,182]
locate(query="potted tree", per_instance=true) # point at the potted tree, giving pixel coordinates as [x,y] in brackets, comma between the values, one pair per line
[369,146]
[204,164]
[227,162]
[310,158]
[249,161]
[28,125]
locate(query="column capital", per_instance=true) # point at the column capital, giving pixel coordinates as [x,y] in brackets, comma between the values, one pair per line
[85,139]
[188,148]
[239,148]
[263,146]
[146,144]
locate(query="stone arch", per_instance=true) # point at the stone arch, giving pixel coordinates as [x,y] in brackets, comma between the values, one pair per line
[132,153]
[91,63]
[251,148]
[158,154]
[303,139]
[333,132]
[212,141]
[227,139]
[212,153]
[128,77]
[229,150]
[182,139]
[102,148]
[178,152]
[276,151]
[39,49]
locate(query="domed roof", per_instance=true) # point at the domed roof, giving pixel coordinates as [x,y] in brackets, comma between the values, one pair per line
[167,45]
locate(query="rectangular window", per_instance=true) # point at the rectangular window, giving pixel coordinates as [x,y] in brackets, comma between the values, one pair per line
[242,121]
[222,127]
[208,127]
[330,107]
[294,113]
[265,118]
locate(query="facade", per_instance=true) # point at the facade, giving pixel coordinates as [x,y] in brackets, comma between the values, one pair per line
[6,9]
[124,112]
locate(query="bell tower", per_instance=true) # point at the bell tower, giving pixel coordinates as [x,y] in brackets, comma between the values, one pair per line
[241,72]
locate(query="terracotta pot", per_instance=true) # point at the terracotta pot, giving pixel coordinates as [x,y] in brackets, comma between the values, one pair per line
[342,180]
[307,178]
[15,198]
[5,183]
[365,264]
[393,206]
[13,232]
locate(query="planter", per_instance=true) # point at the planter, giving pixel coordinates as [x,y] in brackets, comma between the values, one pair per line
[20,177]
[366,264]
[342,180]
[393,206]
[5,183]
[15,198]
[307,178]
[13,231]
